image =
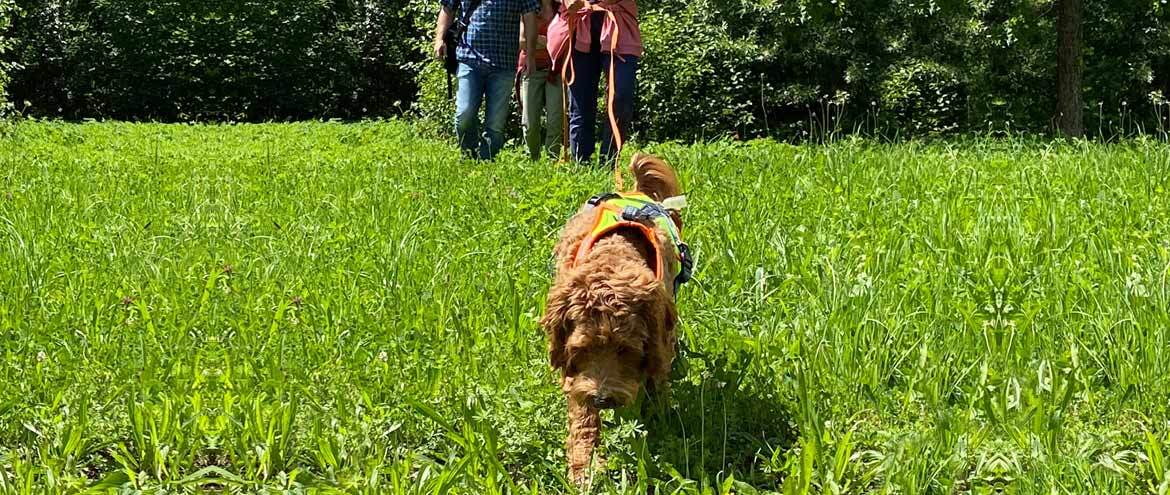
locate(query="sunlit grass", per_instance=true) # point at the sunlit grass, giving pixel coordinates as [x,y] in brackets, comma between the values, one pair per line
[254,308]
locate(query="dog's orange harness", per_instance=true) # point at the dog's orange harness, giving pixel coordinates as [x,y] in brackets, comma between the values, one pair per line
[639,212]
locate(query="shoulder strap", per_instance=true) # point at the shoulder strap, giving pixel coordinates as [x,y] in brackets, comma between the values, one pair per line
[469,11]
[601,198]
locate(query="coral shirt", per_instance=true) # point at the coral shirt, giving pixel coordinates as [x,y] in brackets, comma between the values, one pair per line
[543,60]
[629,37]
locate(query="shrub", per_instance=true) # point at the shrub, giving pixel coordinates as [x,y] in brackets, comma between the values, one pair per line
[713,68]
[696,80]
[7,9]
[923,98]
[218,59]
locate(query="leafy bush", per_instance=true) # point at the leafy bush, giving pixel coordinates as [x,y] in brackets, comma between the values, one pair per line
[713,68]
[695,79]
[922,97]
[7,8]
[219,59]
[432,105]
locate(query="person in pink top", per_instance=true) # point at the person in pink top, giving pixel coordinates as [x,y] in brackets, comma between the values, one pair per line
[541,93]
[604,37]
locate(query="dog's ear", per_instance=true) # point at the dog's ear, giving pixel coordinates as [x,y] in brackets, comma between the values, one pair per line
[558,324]
[660,345]
[558,319]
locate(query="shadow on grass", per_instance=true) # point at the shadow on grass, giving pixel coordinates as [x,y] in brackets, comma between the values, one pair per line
[715,420]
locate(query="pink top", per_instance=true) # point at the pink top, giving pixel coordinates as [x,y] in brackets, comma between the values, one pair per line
[629,37]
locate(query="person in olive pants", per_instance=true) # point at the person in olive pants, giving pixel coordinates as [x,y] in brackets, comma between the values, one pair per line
[541,94]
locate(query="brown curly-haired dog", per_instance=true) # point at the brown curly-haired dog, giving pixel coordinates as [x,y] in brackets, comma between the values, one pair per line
[610,317]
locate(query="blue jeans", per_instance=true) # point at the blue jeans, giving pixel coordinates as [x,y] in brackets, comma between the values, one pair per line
[474,84]
[589,69]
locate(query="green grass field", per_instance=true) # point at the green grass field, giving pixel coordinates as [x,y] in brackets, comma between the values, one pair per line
[326,307]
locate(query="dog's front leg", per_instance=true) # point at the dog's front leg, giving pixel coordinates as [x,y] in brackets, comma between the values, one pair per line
[584,434]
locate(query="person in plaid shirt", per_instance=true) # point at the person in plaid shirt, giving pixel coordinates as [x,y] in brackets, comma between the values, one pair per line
[487,55]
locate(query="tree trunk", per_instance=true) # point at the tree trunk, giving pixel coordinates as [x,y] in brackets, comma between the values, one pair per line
[1069,68]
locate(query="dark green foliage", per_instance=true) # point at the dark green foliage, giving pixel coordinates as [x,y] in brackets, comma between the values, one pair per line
[802,69]
[807,69]
[7,7]
[219,59]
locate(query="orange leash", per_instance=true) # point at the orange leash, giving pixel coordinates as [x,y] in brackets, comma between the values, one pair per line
[565,83]
[565,112]
[611,97]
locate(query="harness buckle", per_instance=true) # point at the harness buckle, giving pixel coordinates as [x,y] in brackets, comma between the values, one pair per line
[647,213]
[687,264]
[686,267]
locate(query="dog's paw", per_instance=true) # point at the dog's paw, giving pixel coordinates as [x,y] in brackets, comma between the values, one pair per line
[584,478]
[579,477]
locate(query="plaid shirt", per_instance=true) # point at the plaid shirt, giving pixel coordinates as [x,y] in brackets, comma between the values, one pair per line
[492,38]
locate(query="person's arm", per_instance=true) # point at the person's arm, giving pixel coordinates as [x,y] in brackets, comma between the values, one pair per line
[541,40]
[530,34]
[446,17]
[546,14]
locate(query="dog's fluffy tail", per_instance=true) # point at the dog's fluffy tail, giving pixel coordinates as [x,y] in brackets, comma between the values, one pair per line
[655,178]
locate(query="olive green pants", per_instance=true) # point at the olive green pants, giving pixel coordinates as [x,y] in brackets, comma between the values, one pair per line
[543,100]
